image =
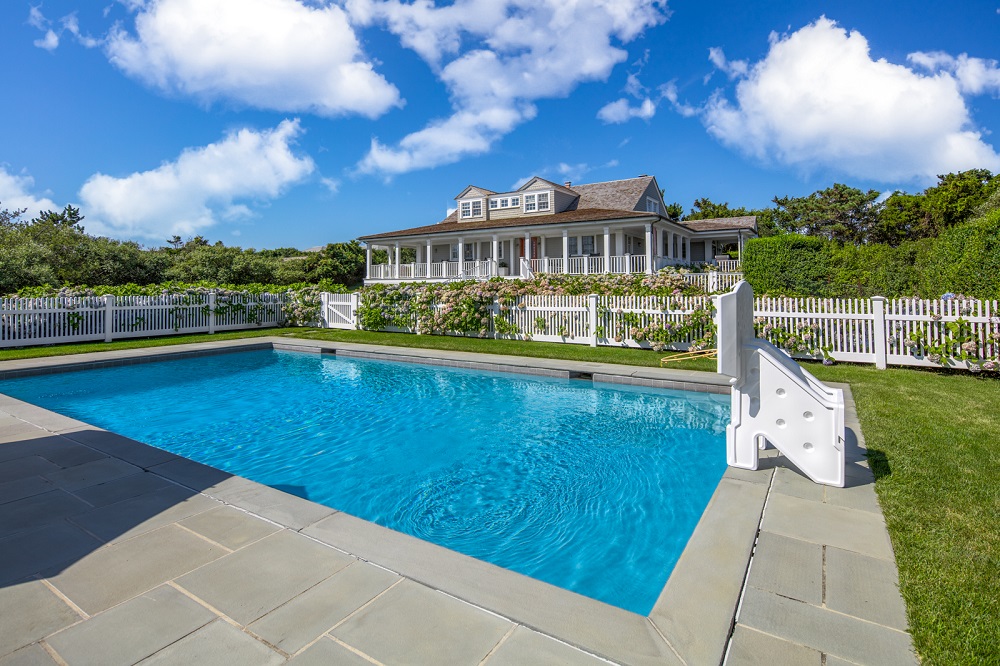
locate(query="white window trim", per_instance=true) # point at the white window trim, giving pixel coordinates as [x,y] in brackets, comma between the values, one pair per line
[494,204]
[471,203]
[652,205]
[532,200]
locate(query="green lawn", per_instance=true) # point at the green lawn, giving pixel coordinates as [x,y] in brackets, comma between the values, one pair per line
[935,444]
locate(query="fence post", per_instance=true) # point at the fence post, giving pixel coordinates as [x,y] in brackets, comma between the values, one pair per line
[713,282]
[878,331]
[593,319]
[355,303]
[324,304]
[109,316]
[211,312]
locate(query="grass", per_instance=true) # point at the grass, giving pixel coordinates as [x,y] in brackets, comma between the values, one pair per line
[934,441]
[134,343]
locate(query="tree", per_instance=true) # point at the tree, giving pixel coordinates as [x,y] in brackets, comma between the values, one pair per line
[343,263]
[674,211]
[839,213]
[175,242]
[706,209]
[954,199]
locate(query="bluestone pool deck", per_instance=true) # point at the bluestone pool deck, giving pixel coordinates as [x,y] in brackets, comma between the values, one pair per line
[115,552]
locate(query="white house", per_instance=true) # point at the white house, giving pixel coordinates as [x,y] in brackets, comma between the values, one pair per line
[618,226]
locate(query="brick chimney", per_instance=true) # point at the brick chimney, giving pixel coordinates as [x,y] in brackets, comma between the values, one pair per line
[567,184]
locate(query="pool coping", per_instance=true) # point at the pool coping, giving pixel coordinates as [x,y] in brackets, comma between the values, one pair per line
[693,618]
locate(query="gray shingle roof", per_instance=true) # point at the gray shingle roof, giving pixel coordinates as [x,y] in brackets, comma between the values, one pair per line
[451,224]
[613,194]
[722,223]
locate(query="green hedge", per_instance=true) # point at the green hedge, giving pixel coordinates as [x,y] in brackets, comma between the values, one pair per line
[964,259]
[176,287]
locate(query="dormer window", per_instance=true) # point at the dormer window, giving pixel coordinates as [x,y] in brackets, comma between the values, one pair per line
[494,204]
[652,205]
[536,202]
[470,209]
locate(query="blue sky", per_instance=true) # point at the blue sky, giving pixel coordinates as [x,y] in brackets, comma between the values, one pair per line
[269,123]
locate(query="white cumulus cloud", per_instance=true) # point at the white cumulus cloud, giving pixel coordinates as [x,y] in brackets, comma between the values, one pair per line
[197,189]
[975,76]
[283,55]
[16,194]
[496,57]
[819,100]
[622,110]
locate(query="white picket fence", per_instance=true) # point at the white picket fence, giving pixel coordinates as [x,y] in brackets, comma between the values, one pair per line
[42,321]
[713,281]
[876,330]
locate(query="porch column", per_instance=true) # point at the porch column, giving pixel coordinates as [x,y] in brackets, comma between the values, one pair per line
[461,257]
[496,252]
[430,257]
[607,249]
[368,260]
[739,243]
[687,249]
[620,245]
[565,251]
[670,245]
[527,246]
[649,248]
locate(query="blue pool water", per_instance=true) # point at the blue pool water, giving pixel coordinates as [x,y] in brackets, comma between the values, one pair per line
[595,488]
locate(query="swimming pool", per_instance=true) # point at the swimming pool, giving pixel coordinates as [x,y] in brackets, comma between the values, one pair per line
[595,488]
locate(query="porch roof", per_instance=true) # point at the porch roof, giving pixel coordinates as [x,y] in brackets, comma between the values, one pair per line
[722,224]
[451,224]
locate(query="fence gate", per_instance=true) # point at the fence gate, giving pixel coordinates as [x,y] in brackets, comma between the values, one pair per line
[339,310]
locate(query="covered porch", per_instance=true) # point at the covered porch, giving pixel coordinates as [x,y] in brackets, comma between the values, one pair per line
[580,250]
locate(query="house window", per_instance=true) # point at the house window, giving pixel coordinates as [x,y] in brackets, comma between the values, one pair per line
[469,254]
[515,202]
[477,208]
[543,201]
[500,250]
[454,252]
[494,203]
[588,244]
[572,245]
[529,203]
[466,209]
[652,205]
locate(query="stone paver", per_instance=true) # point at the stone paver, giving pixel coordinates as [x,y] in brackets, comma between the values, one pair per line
[825,630]
[749,647]
[864,587]
[33,655]
[20,467]
[230,527]
[144,513]
[57,450]
[44,550]
[702,601]
[122,488]
[30,512]
[216,644]
[132,631]
[131,567]
[29,612]
[27,487]
[850,529]
[326,652]
[413,624]
[91,473]
[789,567]
[129,450]
[283,566]
[524,646]
[300,621]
